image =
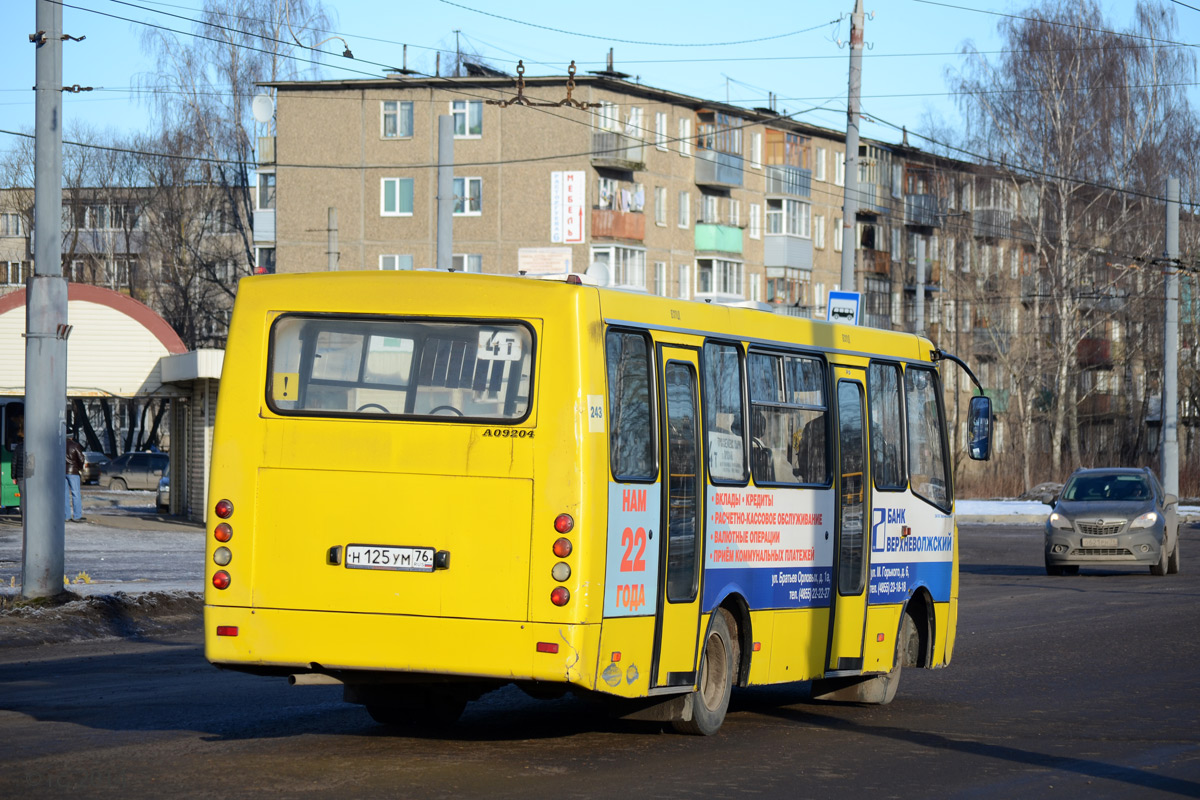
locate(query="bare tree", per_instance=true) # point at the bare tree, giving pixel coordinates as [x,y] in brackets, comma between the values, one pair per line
[1089,117]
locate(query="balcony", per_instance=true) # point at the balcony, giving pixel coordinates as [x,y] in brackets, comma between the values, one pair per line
[993,223]
[786,250]
[721,170]
[922,210]
[933,275]
[991,342]
[1097,404]
[783,179]
[617,151]
[618,224]
[266,150]
[1000,399]
[1096,352]
[264,225]
[721,238]
[785,310]
[876,262]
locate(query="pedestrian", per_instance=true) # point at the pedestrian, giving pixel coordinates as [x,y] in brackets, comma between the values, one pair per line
[75,462]
[18,463]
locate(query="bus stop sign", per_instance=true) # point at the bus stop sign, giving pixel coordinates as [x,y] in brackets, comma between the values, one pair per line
[843,307]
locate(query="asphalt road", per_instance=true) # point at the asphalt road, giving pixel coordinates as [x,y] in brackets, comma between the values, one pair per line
[1066,686]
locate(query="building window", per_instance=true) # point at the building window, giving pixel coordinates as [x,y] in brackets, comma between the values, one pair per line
[837,234]
[660,130]
[818,231]
[755,287]
[755,221]
[735,212]
[685,282]
[756,150]
[660,205]
[790,217]
[839,169]
[660,278]
[788,286]
[608,116]
[718,276]
[266,190]
[264,261]
[468,118]
[396,197]
[397,119]
[685,209]
[685,137]
[468,197]
[626,265]
[11,273]
[10,224]
[395,262]
[709,214]
[467,262]
[819,163]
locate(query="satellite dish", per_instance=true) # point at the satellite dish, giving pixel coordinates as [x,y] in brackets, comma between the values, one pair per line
[599,272]
[262,107]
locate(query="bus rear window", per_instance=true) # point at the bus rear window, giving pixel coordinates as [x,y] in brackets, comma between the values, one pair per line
[343,366]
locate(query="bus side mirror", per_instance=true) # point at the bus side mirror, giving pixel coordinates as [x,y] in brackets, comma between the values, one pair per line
[979,423]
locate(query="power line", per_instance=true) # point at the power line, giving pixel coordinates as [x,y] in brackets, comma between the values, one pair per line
[634,41]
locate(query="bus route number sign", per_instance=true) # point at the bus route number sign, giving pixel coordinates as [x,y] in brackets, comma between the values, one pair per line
[499,346]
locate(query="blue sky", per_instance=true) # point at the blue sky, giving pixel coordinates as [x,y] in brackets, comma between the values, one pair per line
[792,50]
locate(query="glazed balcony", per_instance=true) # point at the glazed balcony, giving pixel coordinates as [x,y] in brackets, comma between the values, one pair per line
[618,151]
[720,170]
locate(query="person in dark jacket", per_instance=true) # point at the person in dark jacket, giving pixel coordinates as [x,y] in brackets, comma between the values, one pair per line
[75,462]
[18,462]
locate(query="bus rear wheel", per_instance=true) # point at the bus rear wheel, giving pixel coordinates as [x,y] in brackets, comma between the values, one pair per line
[718,666]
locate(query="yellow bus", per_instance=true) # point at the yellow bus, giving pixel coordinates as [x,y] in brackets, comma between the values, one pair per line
[429,485]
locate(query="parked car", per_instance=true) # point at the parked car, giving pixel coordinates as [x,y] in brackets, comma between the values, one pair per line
[134,471]
[1112,517]
[92,461]
[163,499]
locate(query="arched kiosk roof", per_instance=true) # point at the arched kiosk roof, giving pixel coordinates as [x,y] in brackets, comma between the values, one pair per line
[113,350]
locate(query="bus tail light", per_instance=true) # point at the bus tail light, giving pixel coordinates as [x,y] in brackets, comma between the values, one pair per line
[563,523]
[562,547]
[561,571]
[223,532]
[227,630]
[547,647]
[221,579]
[560,596]
[224,509]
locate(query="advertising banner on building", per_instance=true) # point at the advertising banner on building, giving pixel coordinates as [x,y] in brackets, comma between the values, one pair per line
[568,196]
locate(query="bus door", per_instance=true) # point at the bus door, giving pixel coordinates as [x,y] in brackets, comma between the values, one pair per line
[677,625]
[848,611]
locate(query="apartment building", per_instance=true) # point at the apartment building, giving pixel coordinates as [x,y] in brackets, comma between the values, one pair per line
[672,194]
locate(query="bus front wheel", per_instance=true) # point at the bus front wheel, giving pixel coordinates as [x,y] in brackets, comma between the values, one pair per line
[718,665]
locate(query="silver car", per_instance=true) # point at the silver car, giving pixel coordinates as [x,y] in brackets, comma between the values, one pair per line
[1112,517]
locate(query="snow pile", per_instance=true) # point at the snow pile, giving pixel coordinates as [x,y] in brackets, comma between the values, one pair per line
[118,615]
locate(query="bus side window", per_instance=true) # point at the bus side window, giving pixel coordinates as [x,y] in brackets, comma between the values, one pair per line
[723,418]
[927,468]
[630,407]
[883,397]
[788,419]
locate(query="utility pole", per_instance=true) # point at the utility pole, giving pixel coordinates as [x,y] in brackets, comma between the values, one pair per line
[920,299]
[1170,394]
[445,192]
[46,329]
[331,230]
[850,203]
[457,55]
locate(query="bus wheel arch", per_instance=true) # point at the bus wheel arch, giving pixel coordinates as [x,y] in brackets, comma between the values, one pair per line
[919,611]
[704,709]
[739,609]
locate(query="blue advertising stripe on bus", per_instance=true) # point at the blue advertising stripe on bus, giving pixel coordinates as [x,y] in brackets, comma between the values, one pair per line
[770,587]
[894,582]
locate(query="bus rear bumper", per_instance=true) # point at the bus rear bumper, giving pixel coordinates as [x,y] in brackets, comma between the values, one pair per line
[305,642]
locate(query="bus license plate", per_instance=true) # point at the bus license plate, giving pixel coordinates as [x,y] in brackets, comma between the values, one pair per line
[1110,541]
[380,556]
